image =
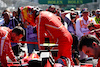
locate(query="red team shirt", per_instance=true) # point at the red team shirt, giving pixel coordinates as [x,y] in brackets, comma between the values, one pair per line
[5,46]
[50,23]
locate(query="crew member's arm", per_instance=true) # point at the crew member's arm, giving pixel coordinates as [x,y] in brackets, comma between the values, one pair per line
[9,51]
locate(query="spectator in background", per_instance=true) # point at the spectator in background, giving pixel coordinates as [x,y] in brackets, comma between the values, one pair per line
[8,21]
[2,20]
[82,11]
[97,17]
[70,19]
[63,15]
[15,15]
[5,11]
[66,16]
[52,9]
[93,14]
[82,29]
[72,24]
[81,24]
[72,9]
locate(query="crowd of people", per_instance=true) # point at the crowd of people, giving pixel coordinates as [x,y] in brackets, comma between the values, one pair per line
[77,35]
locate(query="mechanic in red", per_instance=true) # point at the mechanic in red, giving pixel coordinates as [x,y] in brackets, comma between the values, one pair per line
[6,36]
[50,23]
